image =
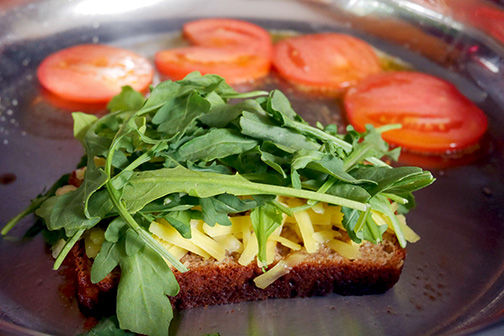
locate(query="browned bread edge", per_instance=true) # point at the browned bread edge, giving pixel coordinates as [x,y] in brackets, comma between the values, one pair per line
[228,282]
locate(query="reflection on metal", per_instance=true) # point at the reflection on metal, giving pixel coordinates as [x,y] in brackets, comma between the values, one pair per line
[488,63]
[100,7]
[439,13]
[367,7]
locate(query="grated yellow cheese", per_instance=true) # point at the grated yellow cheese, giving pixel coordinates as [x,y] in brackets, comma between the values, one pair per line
[250,251]
[324,236]
[169,234]
[177,252]
[305,230]
[347,250]
[408,233]
[305,226]
[206,243]
[285,242]
[280,269]
[318,208]
[238,223]
[230,243]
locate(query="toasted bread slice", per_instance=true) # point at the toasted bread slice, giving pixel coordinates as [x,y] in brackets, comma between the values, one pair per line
[209,282]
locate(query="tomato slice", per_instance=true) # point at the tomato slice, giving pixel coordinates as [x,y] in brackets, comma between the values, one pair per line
[435,116]
[237,50]
[328,62]
[93,73]
[236,67]
[228,33]
[491,20]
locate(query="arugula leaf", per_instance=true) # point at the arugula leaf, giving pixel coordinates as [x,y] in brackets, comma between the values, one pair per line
[222,115]
[177,115]
[392,180]
[142,296]
[265,219]
[261,128]
[82,123]
[127,100]
[382,204]
[107,327]
[111,252]
[217,143]
[350,220]
[216,209]
[65,212]
[146,186]
[181,221]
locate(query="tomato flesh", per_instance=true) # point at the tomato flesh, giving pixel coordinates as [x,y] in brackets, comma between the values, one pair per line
[325,62]
[236,50]
[93,73]
[435,116]
[233,65]
[228,33]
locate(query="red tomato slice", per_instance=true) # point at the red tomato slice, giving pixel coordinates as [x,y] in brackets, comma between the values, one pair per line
[436,117]
[325,62]
[93,73]
[236,50]
[235,66]
[491,20]
[228,33]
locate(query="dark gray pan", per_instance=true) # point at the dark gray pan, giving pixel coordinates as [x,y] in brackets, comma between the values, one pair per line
[453,279]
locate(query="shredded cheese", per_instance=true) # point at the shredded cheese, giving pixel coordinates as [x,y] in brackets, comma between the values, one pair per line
[206,243]
[408,233]
[347,250]
[250,251]
[306,230]
[280,269]
[168,233]
[285,242]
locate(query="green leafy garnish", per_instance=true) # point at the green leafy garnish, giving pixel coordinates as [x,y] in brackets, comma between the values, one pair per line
[188,153]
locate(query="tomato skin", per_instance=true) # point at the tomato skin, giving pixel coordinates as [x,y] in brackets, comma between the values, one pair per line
[436,117]
[237,50]
[326,62]
[93,73]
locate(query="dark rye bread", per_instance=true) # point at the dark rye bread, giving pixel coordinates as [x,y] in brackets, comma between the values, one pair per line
[210,282]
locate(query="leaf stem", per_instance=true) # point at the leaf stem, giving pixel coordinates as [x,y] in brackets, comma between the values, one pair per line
[146,237]
[121,208]
[66,249]
[10,224]
[323,135]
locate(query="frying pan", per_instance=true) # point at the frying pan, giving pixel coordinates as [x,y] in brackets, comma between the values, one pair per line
[452,282]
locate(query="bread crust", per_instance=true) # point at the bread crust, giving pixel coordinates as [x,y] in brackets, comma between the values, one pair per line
[213,283]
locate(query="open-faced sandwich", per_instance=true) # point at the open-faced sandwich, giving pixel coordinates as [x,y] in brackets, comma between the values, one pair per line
[201,195]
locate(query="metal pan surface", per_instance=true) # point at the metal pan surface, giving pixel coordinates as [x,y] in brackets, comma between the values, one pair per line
[452,282]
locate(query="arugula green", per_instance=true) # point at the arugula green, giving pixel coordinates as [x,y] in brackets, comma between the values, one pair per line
[107,327]
[190,151]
